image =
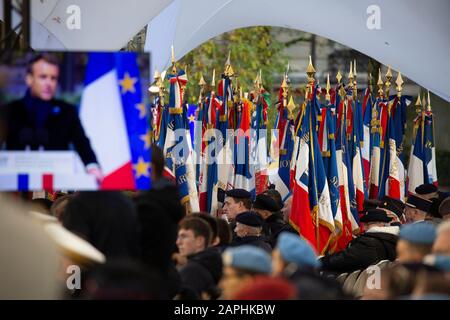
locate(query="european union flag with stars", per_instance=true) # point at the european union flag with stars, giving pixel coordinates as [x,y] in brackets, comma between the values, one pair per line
[136,117]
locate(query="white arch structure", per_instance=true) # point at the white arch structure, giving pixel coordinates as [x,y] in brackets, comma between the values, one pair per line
[414,37]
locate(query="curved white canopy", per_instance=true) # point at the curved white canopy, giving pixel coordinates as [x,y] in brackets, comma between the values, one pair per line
[413,38]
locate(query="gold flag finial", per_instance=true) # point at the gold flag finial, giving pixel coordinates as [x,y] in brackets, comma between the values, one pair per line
[327,96]
[156,75]
[354,68]
[213,80]
[399,82]
[350,74]
[173,54]
[429,101]
[418,105]
[174,68]
[388,81]
[284,88]
[380,84]
[228,71]
[202,81]
[339,77]
[290,107]
[310,71]
[202,84]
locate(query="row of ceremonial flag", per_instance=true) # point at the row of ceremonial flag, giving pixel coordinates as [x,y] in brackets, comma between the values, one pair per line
[328,157]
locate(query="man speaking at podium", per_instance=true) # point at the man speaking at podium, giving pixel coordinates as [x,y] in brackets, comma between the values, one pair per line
[40,122]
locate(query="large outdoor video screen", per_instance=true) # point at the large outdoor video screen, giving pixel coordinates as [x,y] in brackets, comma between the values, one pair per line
[74,121]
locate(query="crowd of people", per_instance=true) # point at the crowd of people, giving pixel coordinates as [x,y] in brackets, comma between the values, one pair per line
[143,245]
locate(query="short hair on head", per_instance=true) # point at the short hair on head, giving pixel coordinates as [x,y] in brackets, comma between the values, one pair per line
[209,219]
[157,160]
[224,231]
[47,57]
[247,203]
[199,227]
[253,230]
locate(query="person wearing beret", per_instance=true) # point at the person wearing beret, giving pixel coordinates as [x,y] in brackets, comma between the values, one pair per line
[416,208]
[394,208]
[442,243]
[430,192]
[377,243]
[236,201]
[249,231]
[291,249]
[274,223]
[240,266]
[415,241]
[444,209]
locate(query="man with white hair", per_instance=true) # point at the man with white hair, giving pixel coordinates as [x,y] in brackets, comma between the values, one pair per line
[442,243]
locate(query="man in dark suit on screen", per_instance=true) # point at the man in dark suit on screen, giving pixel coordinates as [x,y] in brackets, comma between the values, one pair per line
[38,121]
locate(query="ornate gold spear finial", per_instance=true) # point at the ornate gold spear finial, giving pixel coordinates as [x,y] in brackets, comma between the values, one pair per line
[260,80]
[174,68]
[424,103]
[202,84]
[310,72]
[284,88]
[429,101]
[228,71]
[213,80]
[388,81]
[370,82]
[327,96]
[339,77]
[290,107]
[399,83]
[418,105]
[380,84]
[350,77]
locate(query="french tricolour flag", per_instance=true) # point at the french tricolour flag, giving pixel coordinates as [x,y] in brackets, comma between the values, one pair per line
[115,120]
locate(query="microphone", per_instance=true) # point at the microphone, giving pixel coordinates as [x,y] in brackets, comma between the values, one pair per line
[26,138]
[42,138]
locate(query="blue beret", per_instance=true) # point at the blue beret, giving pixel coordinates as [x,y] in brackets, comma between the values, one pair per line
[419,233]
[250,218]
[249,258]
[238,194]
[296,250]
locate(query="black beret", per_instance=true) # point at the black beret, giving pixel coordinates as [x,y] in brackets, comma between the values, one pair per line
[369,204]
[238,194]
[265,202]
[426,188]
[415,201]
[391,204]
[375,215]
[250,218]
[221,195]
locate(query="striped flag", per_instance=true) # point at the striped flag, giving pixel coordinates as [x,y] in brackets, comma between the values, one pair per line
[112,94]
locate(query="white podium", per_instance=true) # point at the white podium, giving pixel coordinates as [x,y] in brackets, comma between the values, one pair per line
[39,170]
